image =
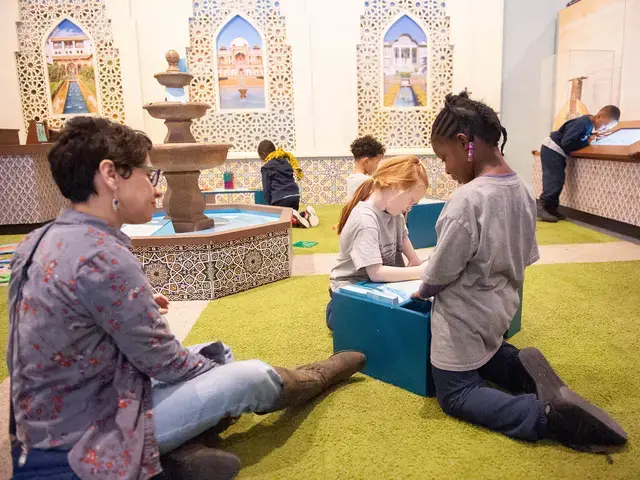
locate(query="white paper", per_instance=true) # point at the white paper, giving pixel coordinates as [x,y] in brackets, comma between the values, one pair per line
[390,293]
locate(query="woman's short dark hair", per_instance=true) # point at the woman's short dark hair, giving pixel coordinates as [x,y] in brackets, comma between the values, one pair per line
[83,144]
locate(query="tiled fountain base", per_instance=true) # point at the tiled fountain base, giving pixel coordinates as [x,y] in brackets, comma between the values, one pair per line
[214,263]
[214,270]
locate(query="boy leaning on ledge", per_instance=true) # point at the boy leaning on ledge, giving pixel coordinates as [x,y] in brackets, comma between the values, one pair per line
[571,136]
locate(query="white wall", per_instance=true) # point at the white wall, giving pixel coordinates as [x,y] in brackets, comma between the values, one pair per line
[477,39]
[529,44]
[630,85]
[323,35]
[324,65]
[590,44]
[11,111]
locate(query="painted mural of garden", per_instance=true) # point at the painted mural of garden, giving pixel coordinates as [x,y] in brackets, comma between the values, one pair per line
[405,58]
[71,70]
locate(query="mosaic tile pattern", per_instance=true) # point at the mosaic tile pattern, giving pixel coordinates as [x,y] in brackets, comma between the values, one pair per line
[205,272]
[604,188]
[402,128]
[29,194]
[246,263]
[324,180]
[244,130]
[37,19]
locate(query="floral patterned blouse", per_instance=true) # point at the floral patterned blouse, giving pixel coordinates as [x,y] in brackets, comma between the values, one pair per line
[85,338]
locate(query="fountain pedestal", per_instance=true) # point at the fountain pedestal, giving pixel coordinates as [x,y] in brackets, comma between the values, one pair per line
[184,203]
[180,157]
[178,132]
[181,164]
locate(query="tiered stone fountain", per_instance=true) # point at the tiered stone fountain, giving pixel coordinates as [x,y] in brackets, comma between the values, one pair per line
[180,157]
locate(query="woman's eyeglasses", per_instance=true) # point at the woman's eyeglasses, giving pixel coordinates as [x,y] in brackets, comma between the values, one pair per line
[153,174]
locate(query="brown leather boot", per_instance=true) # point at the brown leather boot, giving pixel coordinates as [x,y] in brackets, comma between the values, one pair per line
[305,382]
[196,461]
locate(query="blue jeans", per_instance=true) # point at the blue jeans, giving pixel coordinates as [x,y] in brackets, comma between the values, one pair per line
[42,464]
[329,315]
[182,411]
[466,395]
[553,176]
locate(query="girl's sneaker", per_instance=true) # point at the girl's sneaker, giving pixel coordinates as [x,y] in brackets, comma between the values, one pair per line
[312,216]
[299,219]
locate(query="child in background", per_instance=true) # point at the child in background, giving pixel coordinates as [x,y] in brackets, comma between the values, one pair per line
[372,231]
[280,172]
[367,152]
[486,238]
[573,135]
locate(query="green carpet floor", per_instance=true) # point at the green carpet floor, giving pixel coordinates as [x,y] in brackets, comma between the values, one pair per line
[583,316]
[11,239]
[548,233]
[4,331]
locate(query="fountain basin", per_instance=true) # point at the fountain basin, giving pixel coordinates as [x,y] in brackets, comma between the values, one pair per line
[173,79]
[180,157]
[176,111]
[249,246]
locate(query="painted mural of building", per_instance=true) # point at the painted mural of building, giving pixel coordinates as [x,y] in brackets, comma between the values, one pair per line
[240,59]
[405,55]
[74,51]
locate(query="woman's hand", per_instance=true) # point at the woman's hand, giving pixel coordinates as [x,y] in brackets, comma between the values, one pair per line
[162,302]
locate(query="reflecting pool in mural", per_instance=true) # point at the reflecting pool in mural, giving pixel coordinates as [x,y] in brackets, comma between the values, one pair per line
[69,54]
[240,53]
[405,61]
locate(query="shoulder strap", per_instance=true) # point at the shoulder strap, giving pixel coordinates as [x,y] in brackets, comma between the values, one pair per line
[23,280]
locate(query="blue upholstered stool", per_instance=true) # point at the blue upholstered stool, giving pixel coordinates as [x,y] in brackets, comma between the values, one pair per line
[395,338]
[421,222]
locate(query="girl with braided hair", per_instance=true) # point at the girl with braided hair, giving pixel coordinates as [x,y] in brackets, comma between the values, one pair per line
[486,238]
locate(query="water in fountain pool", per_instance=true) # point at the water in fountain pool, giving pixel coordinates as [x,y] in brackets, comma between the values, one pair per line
[225,220]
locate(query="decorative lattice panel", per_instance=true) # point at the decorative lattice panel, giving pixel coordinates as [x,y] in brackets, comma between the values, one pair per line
[29,194]
[244,130]
[402,128]
[37,19]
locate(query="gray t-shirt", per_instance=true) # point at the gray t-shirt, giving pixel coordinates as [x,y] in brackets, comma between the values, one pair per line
[370,237]
[486,238]
[353,183]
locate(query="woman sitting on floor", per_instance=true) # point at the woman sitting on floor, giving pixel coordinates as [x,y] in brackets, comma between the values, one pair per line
[86,337]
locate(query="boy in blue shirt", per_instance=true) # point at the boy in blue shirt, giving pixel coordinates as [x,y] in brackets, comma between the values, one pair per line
[571,136]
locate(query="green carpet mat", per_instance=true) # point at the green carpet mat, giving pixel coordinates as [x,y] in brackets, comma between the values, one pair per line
[11,239]
[548,233]
[583,316]
[4,331]
[567,233]
[324,233]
